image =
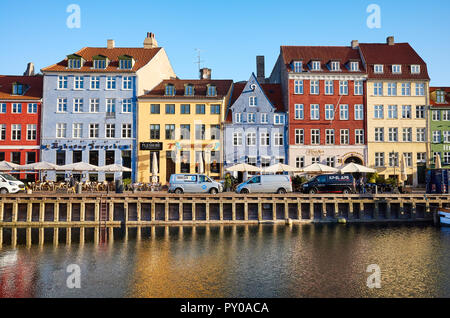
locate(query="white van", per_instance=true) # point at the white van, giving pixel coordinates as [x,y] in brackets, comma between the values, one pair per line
[193,183]
[9,184]
[266,184]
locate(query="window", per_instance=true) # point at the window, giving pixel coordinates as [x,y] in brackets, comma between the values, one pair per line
[170,132]
[315,65]
[440,97]
[436,115]
[315,114]
[446,157]
[298,67]
[299,136]
[415,69]
[95,82]
[392,112]
[335,66]
[185,109]
[238,118]
[393,134]
[278,139]
[16,108]
[300,162]
[329,112]
[392,89]
[406,89]
[314,88]
[215,109]
[331,162]
[94,105]
[378,89]
[299,111]
[100,64]
[18,89]
[78,82]
[251,139]
[298,87]
[359,88]
[393,159]
[16,132]
[127,82]
[278,119]
[32,109]
[93,130]
[170,109]
[379,159]
[127,105]
[378,68]
[170,90]
[110,131]
[154,131]
[125,64]
[446,115]
[359,136]
[252,101]
[212,90]
[420,134]
[359,112]
[436,136]
[264,139]
[189,90]
[343,87]
[446,135]
[237,139]
[60,157]
[379,111]
[62,82]
[31,132]
[345,136]
[420,89]
[264,118]
[315,136]
[200,132]
[185,132]
[354,66]
[62,105]
[420,112]
[329,136]
[215,132]
[252,161]
[2,108]
[110,106]
[406,112]
[408,158]
[2,132]
[407,134]
[77,130]
[343,112]
[200,109]
[329,87]
[154,108]
[421,157]
[379,134]
[251,118]
[110,82]
[61,130]
[315,160]
[74,63]
[396,69]
[77,105]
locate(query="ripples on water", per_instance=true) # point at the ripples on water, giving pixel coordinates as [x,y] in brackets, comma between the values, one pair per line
[230,261]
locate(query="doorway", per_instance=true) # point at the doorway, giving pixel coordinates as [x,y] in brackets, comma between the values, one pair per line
[170,165]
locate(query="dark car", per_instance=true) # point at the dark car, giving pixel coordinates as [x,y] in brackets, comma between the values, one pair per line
[330,183]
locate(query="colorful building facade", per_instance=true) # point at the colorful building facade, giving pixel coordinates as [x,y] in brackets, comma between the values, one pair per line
[255,130]
[20,115]
[181,122]
[91,98]
[439,126]
[397,98]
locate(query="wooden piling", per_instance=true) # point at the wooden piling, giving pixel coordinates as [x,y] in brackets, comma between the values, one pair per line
[2,209]
[233,211]
[15,211]
[82,211]
[56,212]
[29,212]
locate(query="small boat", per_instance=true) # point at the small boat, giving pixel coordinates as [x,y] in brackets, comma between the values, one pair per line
[444,215]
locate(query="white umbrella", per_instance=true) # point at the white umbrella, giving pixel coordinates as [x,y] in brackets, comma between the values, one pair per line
[8,166]
[40,166]
[403,174]
[354,168]
[79,166]
[437,161]
[279,167]
[319,168]
[114,168]
[201,167]
[155,168]
[243,167]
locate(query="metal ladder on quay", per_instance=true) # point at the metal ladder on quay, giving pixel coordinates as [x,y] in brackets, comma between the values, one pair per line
[103,218]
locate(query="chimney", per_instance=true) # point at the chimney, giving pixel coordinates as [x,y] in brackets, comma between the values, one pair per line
[260,69]
[30,70]
[390,40]
[205,73]
[111,44]
[355,44]
[150,41]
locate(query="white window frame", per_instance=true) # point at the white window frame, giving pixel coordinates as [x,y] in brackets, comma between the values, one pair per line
[77,130]
[299,111]
[61,130]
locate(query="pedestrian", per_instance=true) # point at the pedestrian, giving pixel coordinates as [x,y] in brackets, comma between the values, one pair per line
[228,182]
[71,181]
[361,185]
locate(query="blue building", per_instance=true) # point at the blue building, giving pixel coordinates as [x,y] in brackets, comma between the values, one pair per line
[90,101]
[255,127]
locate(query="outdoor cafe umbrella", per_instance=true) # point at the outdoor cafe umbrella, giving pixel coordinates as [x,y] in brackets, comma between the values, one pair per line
[403,174]
[319,168]
[39,166]
[8,166]
[79,166]
[243,167]
[280,167]
[114,168]
[355,168]
[155,168]
[437,161]
[201,167]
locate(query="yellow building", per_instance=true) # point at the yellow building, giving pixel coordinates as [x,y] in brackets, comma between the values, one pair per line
[396,99]
[180,121]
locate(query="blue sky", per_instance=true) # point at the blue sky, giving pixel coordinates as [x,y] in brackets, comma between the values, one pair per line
[229,33]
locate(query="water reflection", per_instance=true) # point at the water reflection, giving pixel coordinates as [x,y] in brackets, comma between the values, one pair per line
[226,261]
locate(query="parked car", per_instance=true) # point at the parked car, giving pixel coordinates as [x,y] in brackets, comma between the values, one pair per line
[330,183]
[266,184]
[9,184]
[193,183]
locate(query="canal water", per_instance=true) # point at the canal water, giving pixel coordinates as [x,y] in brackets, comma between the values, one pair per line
[229,261]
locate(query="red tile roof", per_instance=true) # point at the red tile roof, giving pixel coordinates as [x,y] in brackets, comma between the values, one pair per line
[33,89]
[200,89]
[141,57]
[433,96]
[324,54]
[399,53]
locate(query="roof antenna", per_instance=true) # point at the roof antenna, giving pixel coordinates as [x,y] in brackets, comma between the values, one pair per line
[199,60]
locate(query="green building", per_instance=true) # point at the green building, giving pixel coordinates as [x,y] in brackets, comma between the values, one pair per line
[439,126]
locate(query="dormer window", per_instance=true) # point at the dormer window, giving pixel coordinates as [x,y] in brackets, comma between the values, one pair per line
[354,66]
[298,66]
[396,69]
[100,62]
[415,69]
[125,62]
[378,69]
[74,61]
[170,90]
[18,89]
[315,65]
[335,66]
[440,97]
[189,90]
[212,90]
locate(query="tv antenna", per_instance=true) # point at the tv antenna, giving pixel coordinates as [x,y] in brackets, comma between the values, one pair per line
[199,60]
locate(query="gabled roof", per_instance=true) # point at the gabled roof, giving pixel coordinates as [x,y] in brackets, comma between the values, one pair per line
[200,89]
[141,56]
[433,96]
[388,55]
[33,89]
[324,54]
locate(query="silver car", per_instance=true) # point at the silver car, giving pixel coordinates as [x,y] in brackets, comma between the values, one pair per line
[266,184]
[193,183]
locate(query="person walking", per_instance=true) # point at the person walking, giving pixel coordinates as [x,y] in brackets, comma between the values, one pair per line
[228,182]
[361,185]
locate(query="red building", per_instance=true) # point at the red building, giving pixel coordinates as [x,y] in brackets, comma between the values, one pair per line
[20,114]
[324,87]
